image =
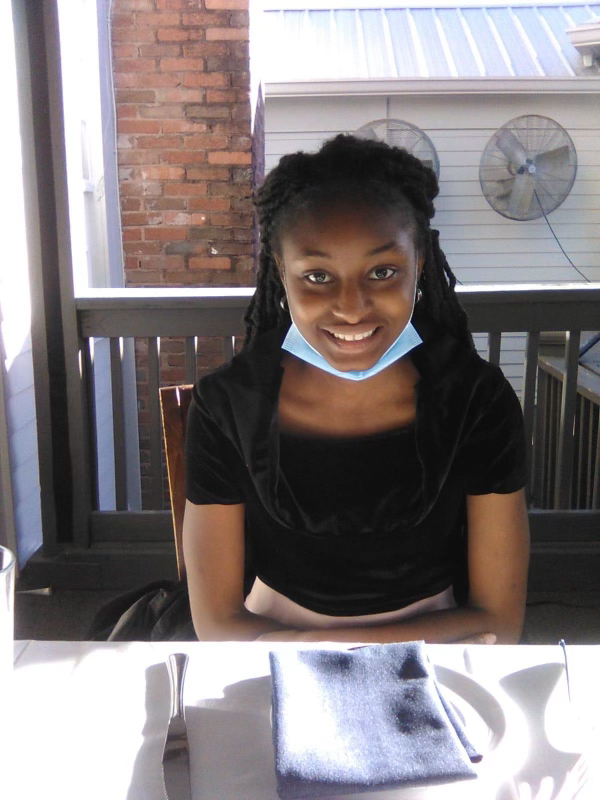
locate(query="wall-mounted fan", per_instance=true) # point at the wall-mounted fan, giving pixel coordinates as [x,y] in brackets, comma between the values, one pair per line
[398,133]
[528,167]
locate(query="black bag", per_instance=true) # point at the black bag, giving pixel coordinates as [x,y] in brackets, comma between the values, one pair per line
[157,612]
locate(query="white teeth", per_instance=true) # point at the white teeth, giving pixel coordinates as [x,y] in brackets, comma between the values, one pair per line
[352,337]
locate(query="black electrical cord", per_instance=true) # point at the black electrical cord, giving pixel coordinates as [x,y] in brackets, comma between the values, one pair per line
[557,241]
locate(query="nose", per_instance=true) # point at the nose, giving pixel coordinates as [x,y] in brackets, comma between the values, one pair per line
[351,302]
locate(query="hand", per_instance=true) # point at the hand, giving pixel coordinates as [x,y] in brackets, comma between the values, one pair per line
[480,638]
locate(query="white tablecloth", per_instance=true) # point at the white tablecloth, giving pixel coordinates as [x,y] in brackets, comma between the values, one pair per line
[91,718]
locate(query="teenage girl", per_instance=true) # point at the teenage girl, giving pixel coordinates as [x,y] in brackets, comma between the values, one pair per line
[356,473]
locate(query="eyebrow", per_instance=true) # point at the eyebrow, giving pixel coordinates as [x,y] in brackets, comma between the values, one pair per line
[393,245]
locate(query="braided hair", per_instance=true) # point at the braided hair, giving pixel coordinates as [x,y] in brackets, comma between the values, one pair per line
[390,176]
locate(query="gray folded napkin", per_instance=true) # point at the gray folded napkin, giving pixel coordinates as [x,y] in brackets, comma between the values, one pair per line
[362,720]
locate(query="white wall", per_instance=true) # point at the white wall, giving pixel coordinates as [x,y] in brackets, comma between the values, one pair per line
[481,245]
[15,313]
[22,425]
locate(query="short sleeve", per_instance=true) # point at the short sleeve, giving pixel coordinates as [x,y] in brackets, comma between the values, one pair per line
[212,464]
[493,454]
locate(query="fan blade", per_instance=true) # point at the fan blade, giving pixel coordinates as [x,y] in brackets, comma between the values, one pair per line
[368,133]
[503,189]
[553,159]
[522,194]
[511,147]
[403,138]
[427,162]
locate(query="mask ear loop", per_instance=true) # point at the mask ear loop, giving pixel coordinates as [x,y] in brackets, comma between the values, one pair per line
[418,293]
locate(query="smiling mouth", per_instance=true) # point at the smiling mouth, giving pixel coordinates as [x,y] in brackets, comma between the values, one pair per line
[351,337]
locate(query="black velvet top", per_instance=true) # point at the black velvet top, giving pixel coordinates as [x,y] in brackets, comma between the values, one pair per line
[350,480]
[340,547]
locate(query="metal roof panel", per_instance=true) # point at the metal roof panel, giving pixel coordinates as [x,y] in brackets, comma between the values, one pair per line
[581,14]
[557,22]
[437,63]
[378,58]
[491,55]
[547,54]
[403,45]
[321,52]
[349,53]
[462,51]
[522,40]
[521,60]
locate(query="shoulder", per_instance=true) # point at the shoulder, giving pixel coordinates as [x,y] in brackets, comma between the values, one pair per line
[461,385]
[484,405]
[449,364]
[487,380]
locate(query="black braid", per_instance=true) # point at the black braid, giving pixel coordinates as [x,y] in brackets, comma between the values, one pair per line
[389,174]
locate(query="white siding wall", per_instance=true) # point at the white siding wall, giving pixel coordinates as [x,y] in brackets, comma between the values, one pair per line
[480,244]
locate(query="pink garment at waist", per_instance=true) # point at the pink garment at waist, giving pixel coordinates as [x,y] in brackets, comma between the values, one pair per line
[268,603]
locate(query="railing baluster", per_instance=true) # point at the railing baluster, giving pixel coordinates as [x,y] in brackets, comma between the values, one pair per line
[558,395]
[564,464]
[592,434]
[578,481]
[581,468]
[494,343]
[228,347]
[116,380]
[156,470]
[596,465]
[595,426]
[540,451]
[89,379]
[553,427]
[190,359]
[529,381]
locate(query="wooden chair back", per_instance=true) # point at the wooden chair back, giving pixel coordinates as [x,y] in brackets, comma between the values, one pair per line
[174,405]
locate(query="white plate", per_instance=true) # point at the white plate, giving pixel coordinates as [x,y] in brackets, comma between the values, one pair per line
[481,712]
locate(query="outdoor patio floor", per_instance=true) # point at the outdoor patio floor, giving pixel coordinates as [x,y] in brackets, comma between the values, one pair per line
[66,615]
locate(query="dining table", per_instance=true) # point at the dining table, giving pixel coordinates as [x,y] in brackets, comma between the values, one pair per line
[88,720]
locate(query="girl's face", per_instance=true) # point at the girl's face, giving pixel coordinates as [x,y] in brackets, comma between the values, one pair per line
[350,276]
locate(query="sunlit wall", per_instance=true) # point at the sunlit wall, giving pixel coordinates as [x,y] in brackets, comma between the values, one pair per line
[16,312]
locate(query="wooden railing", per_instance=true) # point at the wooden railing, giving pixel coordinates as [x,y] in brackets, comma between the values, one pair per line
[133,540]
[584,490]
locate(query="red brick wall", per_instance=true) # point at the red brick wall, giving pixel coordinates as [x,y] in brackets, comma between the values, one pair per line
[181,73]
[187,162]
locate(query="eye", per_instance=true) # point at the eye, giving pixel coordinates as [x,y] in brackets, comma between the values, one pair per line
[318,277]
[383,273]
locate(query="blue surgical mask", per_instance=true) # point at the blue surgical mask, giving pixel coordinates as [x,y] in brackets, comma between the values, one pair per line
[296,344]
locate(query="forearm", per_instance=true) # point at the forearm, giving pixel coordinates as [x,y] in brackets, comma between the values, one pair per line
[241,626]
[447,626]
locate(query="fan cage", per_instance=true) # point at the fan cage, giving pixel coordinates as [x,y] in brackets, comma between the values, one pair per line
[399,133]
[544,141]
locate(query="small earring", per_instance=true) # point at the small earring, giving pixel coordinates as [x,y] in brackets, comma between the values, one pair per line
[419,295]
[283,303]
